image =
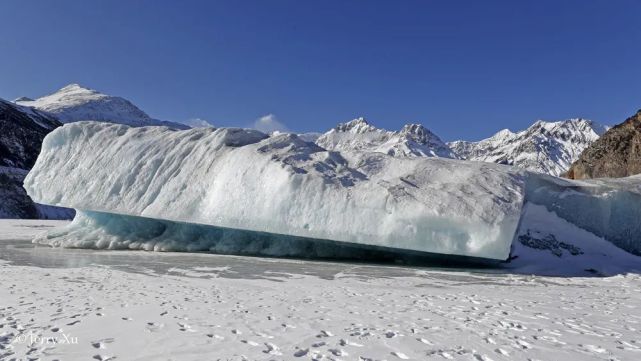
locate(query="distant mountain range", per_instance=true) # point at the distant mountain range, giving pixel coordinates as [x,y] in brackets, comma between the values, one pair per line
[545,147]
[414,140]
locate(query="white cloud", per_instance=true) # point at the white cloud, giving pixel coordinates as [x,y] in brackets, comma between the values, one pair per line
[198,123]
[269,123]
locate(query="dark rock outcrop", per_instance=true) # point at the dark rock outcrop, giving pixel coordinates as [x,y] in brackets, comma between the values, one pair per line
[21,133]
[22,130]
[616,154]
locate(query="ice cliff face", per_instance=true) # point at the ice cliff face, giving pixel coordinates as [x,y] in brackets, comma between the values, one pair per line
[414,140]
[243,179]
[275,193]
[75,103]
[545,147]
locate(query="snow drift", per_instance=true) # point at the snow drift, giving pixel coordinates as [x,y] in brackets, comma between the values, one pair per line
[131,186]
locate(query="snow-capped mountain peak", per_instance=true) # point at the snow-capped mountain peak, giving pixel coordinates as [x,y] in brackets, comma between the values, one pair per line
[417,132]
[75,102]
[356,126]
[503,135]
[546,147]
[22,99]
[413,140]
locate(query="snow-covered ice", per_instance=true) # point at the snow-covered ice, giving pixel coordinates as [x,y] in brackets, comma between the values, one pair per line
[278,194]
[250,193]
[243,179]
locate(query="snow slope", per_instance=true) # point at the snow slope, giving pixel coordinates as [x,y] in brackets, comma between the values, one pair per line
[243,179]
[414,140]
[545,147]
[75,103]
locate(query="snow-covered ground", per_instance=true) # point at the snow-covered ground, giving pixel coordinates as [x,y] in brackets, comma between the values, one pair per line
[135,305]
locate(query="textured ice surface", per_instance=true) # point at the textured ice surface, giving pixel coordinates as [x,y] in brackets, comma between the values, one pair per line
[608,208]
[242,179]
[282,188]
[549,245]
[97,230]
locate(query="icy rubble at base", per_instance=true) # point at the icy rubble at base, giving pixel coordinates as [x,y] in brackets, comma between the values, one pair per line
[608,208]
[547,244]
[244,180]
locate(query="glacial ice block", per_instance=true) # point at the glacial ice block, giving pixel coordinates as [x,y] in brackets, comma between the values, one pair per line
[609,207]
[281,185]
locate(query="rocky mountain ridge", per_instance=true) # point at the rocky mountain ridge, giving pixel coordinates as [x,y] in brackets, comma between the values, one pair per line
[616,154]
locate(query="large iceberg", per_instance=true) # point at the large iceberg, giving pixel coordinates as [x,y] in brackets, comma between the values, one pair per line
[238,190]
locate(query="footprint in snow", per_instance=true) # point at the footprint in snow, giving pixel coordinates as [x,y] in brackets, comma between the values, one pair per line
[185,327]
[154,327]
[400,355]
[104,358]
[502,352]
[324,333]
[250,343]
[302,352]
[101,344]
[338,352]
[524,345]
[594,349]
[344,342]
[272,349]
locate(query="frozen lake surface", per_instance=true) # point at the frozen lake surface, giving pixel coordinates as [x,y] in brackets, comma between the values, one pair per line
[69,304]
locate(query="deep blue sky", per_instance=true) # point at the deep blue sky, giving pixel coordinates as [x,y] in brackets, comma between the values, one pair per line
[465,69]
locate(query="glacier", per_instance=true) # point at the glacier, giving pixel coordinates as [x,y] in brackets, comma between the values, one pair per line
[231,190]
